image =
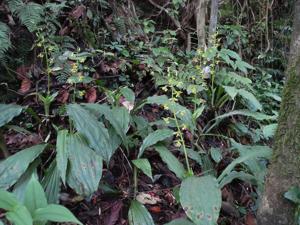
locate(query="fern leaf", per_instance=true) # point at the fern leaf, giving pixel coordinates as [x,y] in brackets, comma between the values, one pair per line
[30,14]
[5,43]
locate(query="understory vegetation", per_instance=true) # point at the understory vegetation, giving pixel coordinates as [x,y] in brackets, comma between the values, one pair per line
[113,113]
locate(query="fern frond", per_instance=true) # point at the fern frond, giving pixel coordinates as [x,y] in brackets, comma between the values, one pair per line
[5,43]
[30,14]
[14,5]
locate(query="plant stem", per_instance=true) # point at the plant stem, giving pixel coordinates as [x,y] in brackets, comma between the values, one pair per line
[135,182]
[190,171]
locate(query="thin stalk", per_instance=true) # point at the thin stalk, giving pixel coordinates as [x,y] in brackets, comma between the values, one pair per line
[135,182]
[190,171]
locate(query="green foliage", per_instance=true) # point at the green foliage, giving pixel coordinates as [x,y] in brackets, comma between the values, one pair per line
[180,222]
[62,153]
[5,42]
[30,14]
[293,194]
[85,166]
[138,214]
[203,98]
[35,209]
[172,162]
[143,165]
[94,131]
[11,169]
[8,112]
[201,199]
[153,138]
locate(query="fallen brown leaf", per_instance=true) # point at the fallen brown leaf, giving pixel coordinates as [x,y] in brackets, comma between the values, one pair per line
[91,95]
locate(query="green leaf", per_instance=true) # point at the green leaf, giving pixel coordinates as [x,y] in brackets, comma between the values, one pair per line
[119,118]
[8,112]
[198,112]
[55,213]
[144,165]
[128,94]
[21,185]
[85,166]
[95,132]
[8,201]
[231,91]
[293,194]
[153,138]
[157,99]
[172,162]
[52,183]
[34,196]
[216,154]
[19,216]
[139,215]
[238,175]
[247,155]
[11,169]
[254,115]
[1,223]
[269,130]
[252,102]
[201,199]
[243,66]
[181,112]
[180,221]
[62,154]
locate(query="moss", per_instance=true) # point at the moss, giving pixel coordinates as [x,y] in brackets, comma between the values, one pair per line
[287,139]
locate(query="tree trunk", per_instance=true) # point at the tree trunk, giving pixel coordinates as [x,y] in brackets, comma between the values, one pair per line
[214,9]
[200,21]
[284,169]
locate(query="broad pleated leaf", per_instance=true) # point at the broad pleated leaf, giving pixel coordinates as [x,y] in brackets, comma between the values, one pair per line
[55,213]
[20,186]
[119,118]
[201,199]
[95,131]
[11,169]
[62,154]
[34,196]
[7,200]
[153,138]
[144,165]
[19,216]
[52,183]
[139,215]
[172,162]
[8,112]
[85,166]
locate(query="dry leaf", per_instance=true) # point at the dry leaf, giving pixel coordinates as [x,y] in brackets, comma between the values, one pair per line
[78,12]
[25,85]
[250,219]
[91,95]
[63,96]
[148,199]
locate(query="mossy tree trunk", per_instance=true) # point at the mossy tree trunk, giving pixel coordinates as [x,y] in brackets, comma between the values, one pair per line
[285,167]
